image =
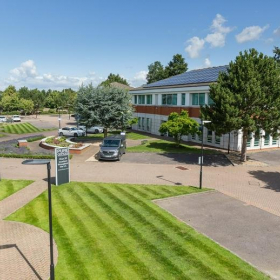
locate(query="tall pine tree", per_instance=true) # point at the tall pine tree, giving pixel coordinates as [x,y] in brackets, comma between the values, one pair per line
[246,97]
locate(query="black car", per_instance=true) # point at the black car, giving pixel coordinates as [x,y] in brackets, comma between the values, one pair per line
[112,147]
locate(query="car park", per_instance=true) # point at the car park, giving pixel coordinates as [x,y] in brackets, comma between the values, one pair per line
[92,129]
[71,131]
[3,119]
[16,118]
[112,147]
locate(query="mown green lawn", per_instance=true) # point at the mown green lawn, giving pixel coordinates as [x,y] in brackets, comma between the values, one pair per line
[129,135]
[21,128]
[114,231]
[163,146]
[8,187]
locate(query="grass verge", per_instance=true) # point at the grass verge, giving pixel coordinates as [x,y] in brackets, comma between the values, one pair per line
[114,231]
[8,187]
[163,146]
[129,135]
[21,128]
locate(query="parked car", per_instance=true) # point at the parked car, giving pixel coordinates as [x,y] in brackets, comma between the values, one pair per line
[112,147]
[3,119]
[16,118]
[71,131]
[93,129]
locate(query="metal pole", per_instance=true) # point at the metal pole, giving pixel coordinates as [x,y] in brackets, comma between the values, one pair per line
[201,159]
[50,221]
[59,117]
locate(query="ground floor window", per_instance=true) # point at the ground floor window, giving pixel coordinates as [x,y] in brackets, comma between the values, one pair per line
[266,139]
[209,136]
[274,140]
[139,122]
[217,140]
[249,138]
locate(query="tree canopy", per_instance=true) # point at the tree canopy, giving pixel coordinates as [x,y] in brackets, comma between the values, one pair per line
[114,78]
[106,106]
[276,52]
[158,72]
[246,97]
[179,125]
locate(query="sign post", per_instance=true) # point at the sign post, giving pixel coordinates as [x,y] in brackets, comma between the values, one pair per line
[62,167]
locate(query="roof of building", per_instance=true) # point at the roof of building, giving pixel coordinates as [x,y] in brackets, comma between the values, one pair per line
[205,75]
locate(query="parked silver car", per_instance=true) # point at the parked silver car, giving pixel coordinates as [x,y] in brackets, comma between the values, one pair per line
[112,147]
[93,129]
[3,119]
[71,131]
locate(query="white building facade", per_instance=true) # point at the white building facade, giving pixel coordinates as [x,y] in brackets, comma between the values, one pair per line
[188,91]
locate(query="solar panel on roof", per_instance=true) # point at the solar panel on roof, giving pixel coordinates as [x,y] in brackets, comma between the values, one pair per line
[191,77]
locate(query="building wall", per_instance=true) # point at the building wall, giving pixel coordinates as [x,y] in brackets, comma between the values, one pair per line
[152,115]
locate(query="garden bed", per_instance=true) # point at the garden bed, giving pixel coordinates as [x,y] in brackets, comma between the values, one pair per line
[52,142]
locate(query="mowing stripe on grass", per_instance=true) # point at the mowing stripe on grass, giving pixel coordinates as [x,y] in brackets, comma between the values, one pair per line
[203,269]
[89,238]
[125,252]
[124,222]
[203,247]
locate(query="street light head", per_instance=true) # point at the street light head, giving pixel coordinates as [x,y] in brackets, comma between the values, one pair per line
[36,161]
[206,121]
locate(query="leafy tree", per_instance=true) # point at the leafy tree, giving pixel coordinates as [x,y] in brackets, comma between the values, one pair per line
[246,97]
[176,66]
[156,72]
[276,52]
[26,105]
[10,91]
[178,125]
[10,103]
[114,78]
[106,106]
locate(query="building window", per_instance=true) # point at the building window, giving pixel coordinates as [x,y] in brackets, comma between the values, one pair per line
[139,122]
[217,140]
[148,124]
[198,99]
[149,99]
[143,123]
[183,100]
[210,100]
[135,99]
[169,99]
[141,99]
[209,136]
[266,139]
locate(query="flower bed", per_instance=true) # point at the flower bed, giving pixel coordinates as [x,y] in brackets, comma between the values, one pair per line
[53,142]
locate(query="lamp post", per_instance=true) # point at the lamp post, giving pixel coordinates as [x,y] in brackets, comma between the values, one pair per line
[48,163]
[69,109]
[201,159]
[59,119]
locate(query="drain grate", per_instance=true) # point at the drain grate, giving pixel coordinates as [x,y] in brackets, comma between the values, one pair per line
[181,168]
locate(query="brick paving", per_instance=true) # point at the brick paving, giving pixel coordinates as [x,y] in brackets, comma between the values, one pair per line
[24,249]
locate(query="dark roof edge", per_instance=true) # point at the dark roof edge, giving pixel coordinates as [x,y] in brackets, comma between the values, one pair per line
[175,86]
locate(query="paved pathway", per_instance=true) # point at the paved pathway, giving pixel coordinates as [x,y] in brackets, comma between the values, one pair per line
[252,185]
[247,231]
[24,249]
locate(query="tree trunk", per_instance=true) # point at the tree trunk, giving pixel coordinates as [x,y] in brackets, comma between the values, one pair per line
[105,132]
[244,146]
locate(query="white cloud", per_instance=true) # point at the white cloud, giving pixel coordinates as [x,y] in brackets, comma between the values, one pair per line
[269,40]
[250,33]
[139,79]
[207,62]
[218,37]
[195,46]
[277,31]
[26,75]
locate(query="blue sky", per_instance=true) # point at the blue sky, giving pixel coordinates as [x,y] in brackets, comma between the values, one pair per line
[58,44]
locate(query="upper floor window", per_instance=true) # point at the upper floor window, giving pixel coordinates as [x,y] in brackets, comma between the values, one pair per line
[183,100]
[141,99]
[198,99]
[135,99]
[169,99]
[149,99]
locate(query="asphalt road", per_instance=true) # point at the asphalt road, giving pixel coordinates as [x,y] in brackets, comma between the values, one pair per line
[249,232]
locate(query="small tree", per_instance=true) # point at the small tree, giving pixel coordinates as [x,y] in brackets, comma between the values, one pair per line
[156,72]
[106,106]
[26,105]
[179,125]
[114,78]
[246,97]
